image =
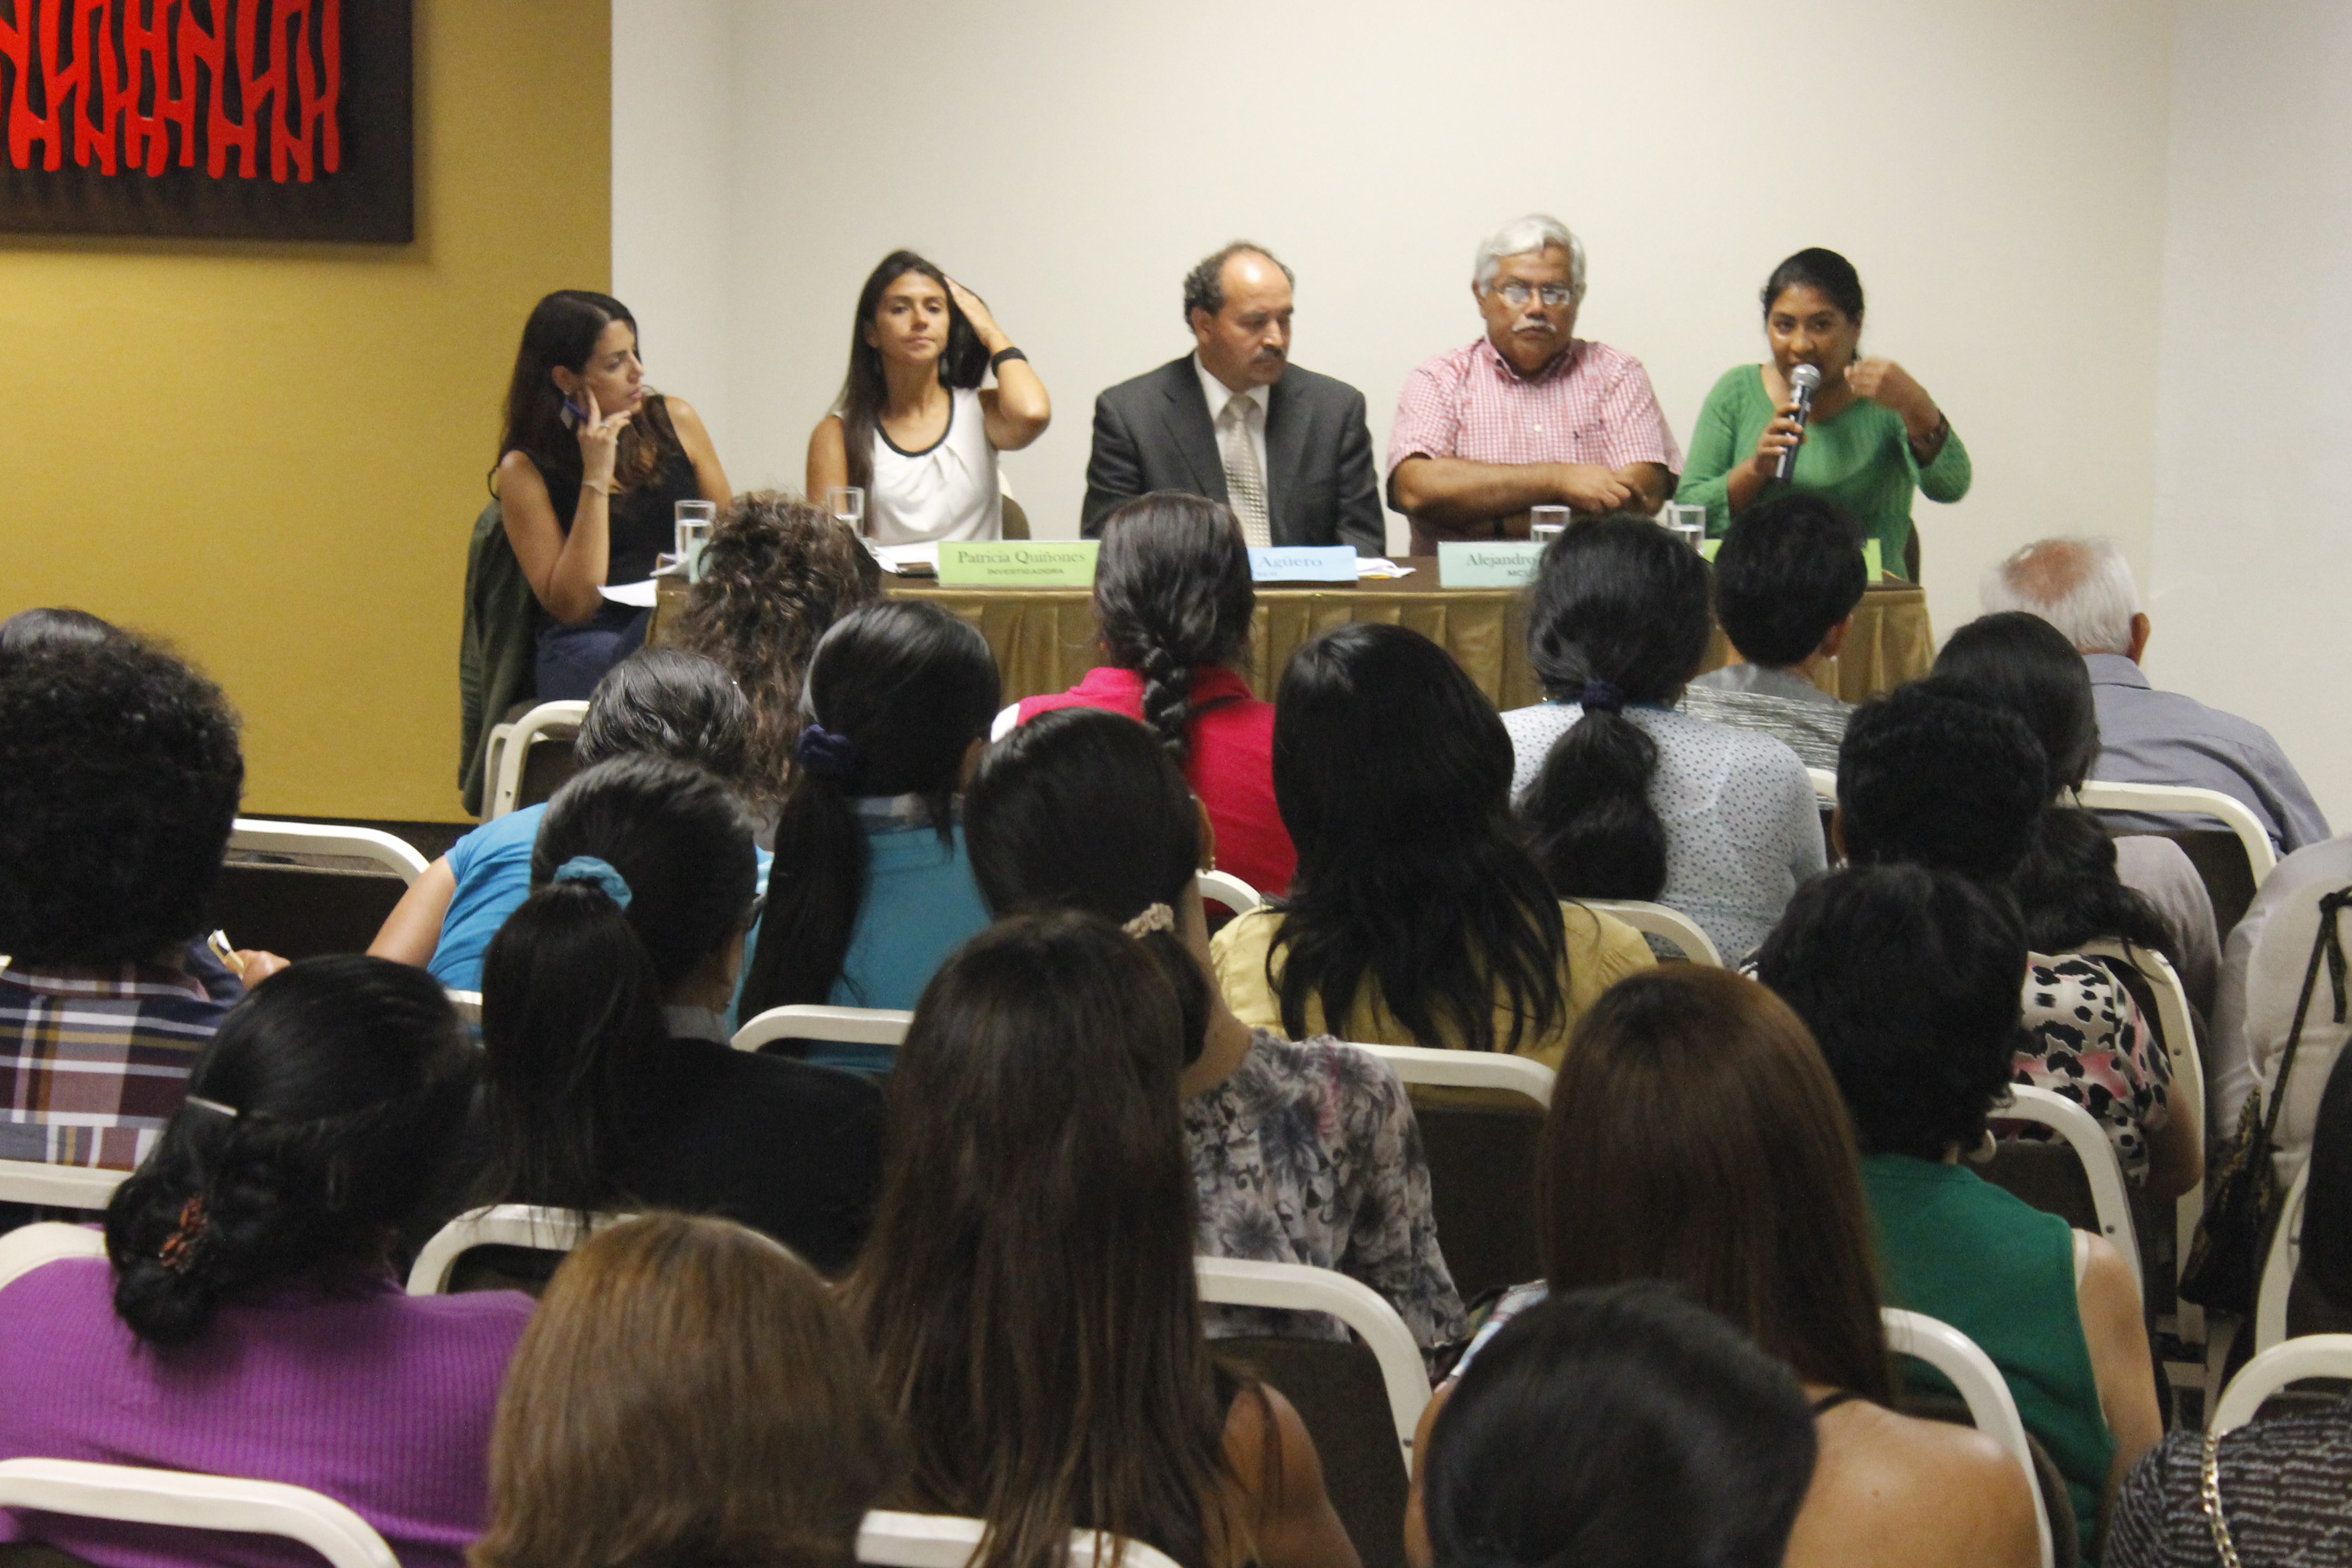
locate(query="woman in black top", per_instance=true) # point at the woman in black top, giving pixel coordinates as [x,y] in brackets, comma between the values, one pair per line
[592,465]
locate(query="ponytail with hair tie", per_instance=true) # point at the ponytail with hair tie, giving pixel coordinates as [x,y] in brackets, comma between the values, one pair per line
[1601,695]
[827,753]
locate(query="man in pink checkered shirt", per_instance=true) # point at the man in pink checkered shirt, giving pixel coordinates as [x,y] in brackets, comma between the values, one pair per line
[1529,414]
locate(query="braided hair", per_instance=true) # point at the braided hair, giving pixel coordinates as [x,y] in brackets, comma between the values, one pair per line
[1172,594]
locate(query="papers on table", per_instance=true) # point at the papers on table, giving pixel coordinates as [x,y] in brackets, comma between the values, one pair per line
[636,596]
[1380,566]
[908,560]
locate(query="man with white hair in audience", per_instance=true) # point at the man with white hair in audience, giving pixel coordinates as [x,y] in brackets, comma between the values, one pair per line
[2084,588]
[1527,415]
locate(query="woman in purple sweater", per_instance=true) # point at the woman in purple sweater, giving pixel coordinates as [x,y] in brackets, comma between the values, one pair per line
[244,1320]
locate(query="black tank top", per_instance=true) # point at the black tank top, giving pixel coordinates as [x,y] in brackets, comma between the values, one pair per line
[644,520]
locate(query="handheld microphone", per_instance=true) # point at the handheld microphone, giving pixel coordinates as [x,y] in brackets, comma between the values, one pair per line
[1803,383]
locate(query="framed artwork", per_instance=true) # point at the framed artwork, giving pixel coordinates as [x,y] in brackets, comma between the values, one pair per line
[208,119]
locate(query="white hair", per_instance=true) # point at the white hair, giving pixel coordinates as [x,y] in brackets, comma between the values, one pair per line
[2082,586]
[1524,237]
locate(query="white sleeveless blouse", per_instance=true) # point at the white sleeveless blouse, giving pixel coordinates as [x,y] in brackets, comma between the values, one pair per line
[948,491]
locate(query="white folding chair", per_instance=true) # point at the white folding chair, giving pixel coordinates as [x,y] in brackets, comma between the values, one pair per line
[500,1224]
[1656,920]
[1224,888]
[1981,1386]
[2278,1269]
[1293,1287]
[2306,1355]
[1824,785]
[134,1496]
[2082,1133]
[28,1247]
[45,1185]
[809,1021]
[890,1539]
[510,750]
[1465,1069]
[394,855]
[2261,853]
[469,1007]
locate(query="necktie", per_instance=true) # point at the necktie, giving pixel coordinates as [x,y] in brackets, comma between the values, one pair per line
[1244,484]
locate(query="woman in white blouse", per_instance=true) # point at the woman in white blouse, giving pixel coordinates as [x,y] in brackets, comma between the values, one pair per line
[914,429]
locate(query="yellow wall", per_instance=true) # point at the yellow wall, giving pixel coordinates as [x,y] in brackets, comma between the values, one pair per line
[272,455]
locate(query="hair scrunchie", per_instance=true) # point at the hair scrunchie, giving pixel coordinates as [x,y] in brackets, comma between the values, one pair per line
[1601,695]
[825,753]
[1155,917]
[596,873]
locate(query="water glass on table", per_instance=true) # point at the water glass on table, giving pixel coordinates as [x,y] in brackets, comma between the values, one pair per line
[695,520]
[1687,523]
[847,504]
[1546,523]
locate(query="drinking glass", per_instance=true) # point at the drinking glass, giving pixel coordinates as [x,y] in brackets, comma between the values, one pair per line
[848,502]
[1546,523]
[1687,523]
[694,522]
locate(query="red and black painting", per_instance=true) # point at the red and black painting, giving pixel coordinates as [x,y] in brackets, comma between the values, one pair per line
[215,119]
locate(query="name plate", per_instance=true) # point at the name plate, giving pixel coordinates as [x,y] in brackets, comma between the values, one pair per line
[1499,563]
[1304,563]
[1018,563]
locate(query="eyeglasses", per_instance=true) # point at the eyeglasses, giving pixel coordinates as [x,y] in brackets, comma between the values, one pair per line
[1516,294]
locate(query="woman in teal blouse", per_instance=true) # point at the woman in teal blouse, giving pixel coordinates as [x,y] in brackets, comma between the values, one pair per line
[1874,435]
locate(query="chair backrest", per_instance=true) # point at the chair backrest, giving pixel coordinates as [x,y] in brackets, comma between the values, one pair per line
[2261,853]
[28,1247]
[500,1224]
[45,1185]
[134,1496]
[1979,1383]
[469,1007]
[1824,785]
[2307,1356]
[2278,1269]
[1336,1388]
[1240,1282]
[1226,889]
[1656,920]
[511,745]
[890,1539]
[301,898]
[2110,1199]
[810,1021]
[1465,1069]
[394,855]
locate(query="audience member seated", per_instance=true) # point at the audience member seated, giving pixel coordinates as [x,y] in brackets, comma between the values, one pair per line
[1623,797]
[2253,1005]
[2084,587]
[118,780]
[688,1392]
[1695,1138]
[1235,421]
[1302,1153]
[776,574]
[1786,580]
[1416,918]
[876,890]
[657,702]
[244,1320]
[2067,884]
[1529,414]
[1874,436]
[1619,1426]
[610,1083]
[2279,1487]
[1028,1293]
[1907,978]
[1929,776]
[1173,599]
[913,428]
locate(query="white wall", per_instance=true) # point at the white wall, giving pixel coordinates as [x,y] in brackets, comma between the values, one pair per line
[2253,565]
[1994,167]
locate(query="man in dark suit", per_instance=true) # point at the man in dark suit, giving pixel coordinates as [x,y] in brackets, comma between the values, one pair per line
[1235,421]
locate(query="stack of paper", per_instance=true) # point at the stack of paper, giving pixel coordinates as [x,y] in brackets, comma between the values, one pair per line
[908,560]
[1380,566]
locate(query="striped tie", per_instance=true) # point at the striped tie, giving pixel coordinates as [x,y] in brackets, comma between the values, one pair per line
[1243,483]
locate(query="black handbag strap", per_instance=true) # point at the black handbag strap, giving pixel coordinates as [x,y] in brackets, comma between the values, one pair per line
[2327,944]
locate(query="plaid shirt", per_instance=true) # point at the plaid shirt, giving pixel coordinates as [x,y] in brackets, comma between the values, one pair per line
[1592,405]
[95,1059]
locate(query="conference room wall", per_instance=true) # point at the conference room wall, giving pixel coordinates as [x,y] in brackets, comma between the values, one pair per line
[273,454]
[1995,169]
[2253,557]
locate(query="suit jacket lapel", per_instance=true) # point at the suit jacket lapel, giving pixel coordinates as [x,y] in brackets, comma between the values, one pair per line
[1286,454]
[1186,413]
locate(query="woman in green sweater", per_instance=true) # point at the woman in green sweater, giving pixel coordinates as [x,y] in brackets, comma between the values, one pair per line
[1875,434]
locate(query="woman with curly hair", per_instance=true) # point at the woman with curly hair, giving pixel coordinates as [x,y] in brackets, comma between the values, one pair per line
[776,574]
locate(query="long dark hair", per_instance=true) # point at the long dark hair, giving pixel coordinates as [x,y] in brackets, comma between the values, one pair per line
[563,330]
[896,694]
[1173,593]
[1393,774]
[317,1118]
[864,391]
[1619,615]
[1036,1135]
[1080,809]
[572,983]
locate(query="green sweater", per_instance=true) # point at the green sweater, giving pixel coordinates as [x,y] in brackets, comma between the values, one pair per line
[1861,459]
[1953,1246]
